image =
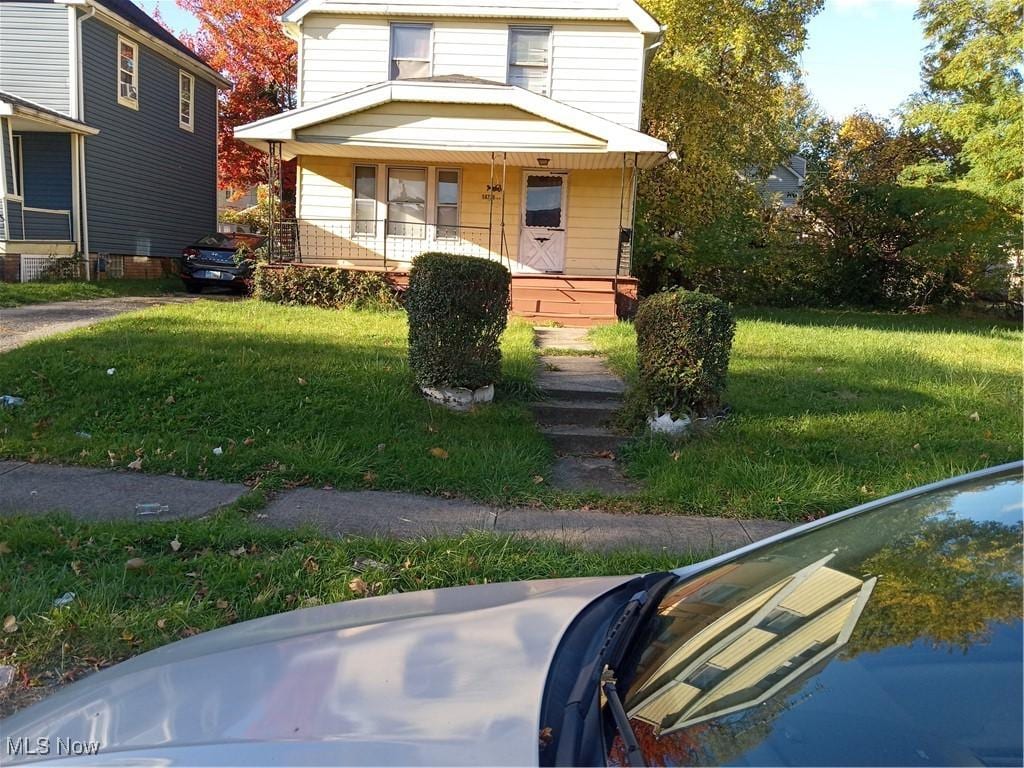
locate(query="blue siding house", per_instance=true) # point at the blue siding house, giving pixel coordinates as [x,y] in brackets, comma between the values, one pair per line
[108,138]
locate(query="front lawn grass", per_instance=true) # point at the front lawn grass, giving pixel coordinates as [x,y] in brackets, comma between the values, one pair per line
[20,294]
[831,409]
[225,569]
[287,395]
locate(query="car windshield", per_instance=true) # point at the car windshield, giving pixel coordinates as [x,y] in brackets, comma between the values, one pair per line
[230,241]
[890,638]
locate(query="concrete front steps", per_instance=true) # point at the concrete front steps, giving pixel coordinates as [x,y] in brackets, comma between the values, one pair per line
[580,399]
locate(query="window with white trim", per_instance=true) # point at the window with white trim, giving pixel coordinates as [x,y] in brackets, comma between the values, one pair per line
[447,204]
[407,202]
[127,73]
[19,166]
[410,51]
[529,58]
[364,200]
[186,98]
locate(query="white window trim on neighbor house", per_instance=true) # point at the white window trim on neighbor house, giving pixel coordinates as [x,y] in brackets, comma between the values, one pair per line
[438,205]
[357,219]
[128,101]
[392,69]
[510,64]
[186,123]
[18,171]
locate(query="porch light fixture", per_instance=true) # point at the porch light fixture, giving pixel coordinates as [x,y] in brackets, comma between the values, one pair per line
[543,161]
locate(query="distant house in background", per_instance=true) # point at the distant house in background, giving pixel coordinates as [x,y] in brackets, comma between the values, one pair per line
[232,201]
[108,138]
[785,183]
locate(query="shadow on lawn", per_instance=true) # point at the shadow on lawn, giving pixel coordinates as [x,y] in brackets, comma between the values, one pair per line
[989,327]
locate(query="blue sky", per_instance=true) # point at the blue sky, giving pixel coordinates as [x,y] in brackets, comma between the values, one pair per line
[860,53]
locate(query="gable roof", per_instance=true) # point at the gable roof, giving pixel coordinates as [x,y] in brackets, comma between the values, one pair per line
[592,10]
[451,90]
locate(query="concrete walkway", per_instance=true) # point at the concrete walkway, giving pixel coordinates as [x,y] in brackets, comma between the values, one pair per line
[21,325]
[99,494]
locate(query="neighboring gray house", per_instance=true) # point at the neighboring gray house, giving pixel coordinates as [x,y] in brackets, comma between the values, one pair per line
[108,137]
[785,183]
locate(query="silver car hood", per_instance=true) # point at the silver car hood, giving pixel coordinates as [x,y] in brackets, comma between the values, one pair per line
[440,677]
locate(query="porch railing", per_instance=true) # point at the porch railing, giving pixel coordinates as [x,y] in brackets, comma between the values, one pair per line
[379,243]
[46,224]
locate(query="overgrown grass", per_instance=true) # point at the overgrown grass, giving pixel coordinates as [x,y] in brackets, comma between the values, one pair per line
[20,294]
[834,408]
[226,569]
[288,395]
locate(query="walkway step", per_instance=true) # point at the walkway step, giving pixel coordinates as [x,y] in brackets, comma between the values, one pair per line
[583,441]
[590,473]
[586,413]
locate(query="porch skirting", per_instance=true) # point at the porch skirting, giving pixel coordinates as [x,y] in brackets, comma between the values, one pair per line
[570,300]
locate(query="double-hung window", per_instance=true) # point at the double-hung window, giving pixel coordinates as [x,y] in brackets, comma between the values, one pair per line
[407,202]
[127,73]
[529,58]
[364,201]
[186,98]
[447,204]
[410,51]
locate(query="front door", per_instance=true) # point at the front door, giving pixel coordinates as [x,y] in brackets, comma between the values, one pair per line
[542,238]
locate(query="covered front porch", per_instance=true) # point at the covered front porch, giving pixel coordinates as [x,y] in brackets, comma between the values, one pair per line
[467,167]
[40,172]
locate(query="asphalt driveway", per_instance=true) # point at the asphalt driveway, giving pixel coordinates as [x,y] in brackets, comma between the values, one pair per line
[21,325]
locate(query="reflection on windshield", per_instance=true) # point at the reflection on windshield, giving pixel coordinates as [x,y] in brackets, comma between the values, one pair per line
[752,650]
[893,637]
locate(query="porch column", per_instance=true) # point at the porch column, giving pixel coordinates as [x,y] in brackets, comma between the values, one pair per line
[76,207]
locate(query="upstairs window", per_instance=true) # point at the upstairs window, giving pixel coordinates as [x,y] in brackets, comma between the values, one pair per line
[127,73]
[186,96]
[410,51]
[529,58]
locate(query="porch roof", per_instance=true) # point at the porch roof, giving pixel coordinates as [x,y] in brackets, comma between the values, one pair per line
[453,119]
[29,116]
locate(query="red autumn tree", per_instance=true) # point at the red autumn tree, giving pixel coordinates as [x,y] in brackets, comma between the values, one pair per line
[243,40]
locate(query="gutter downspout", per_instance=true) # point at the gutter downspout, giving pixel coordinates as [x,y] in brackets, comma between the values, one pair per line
[80,114]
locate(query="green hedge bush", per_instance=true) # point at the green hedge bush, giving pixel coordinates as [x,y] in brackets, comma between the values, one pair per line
[683,343]
[458,308]
[325,287]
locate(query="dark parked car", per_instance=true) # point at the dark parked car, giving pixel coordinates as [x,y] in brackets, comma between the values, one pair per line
[886,635]
[223,260]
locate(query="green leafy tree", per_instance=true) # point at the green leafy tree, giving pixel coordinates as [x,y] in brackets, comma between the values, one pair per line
[718,92]
[972,95]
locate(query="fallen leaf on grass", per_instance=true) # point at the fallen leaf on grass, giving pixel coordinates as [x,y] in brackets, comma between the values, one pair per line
[161,623]
[605,455]
[248,441]
[309,602]
[358,587]
[538,479]
[10,625]
[237,552]
[113,457]
[134,564]
[370,477]
[975,416]
[302,381]
[169,400]
[222,604]
[76,566]
[676,455]
[916,447]
[5,548]
[310,565]
[136,465]
[439,453]
[175,544]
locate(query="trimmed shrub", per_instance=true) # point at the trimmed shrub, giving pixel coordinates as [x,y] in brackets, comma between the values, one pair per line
[324,287]
[458,308]
[683,344]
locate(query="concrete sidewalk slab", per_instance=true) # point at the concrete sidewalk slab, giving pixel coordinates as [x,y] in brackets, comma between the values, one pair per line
[102,494]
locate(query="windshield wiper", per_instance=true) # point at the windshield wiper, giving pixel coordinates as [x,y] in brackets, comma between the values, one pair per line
[626,732]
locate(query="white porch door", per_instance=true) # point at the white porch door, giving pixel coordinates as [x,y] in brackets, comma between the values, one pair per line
[542,230]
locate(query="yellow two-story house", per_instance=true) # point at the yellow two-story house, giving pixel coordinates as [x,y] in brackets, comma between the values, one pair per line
[508,131]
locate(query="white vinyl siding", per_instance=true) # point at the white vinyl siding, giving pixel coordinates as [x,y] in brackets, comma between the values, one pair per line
[410,51]
[595,66]
[529,58]
[34,50]
[186,101]
[127,73]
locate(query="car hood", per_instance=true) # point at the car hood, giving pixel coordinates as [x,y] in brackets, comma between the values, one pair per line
[451,676]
